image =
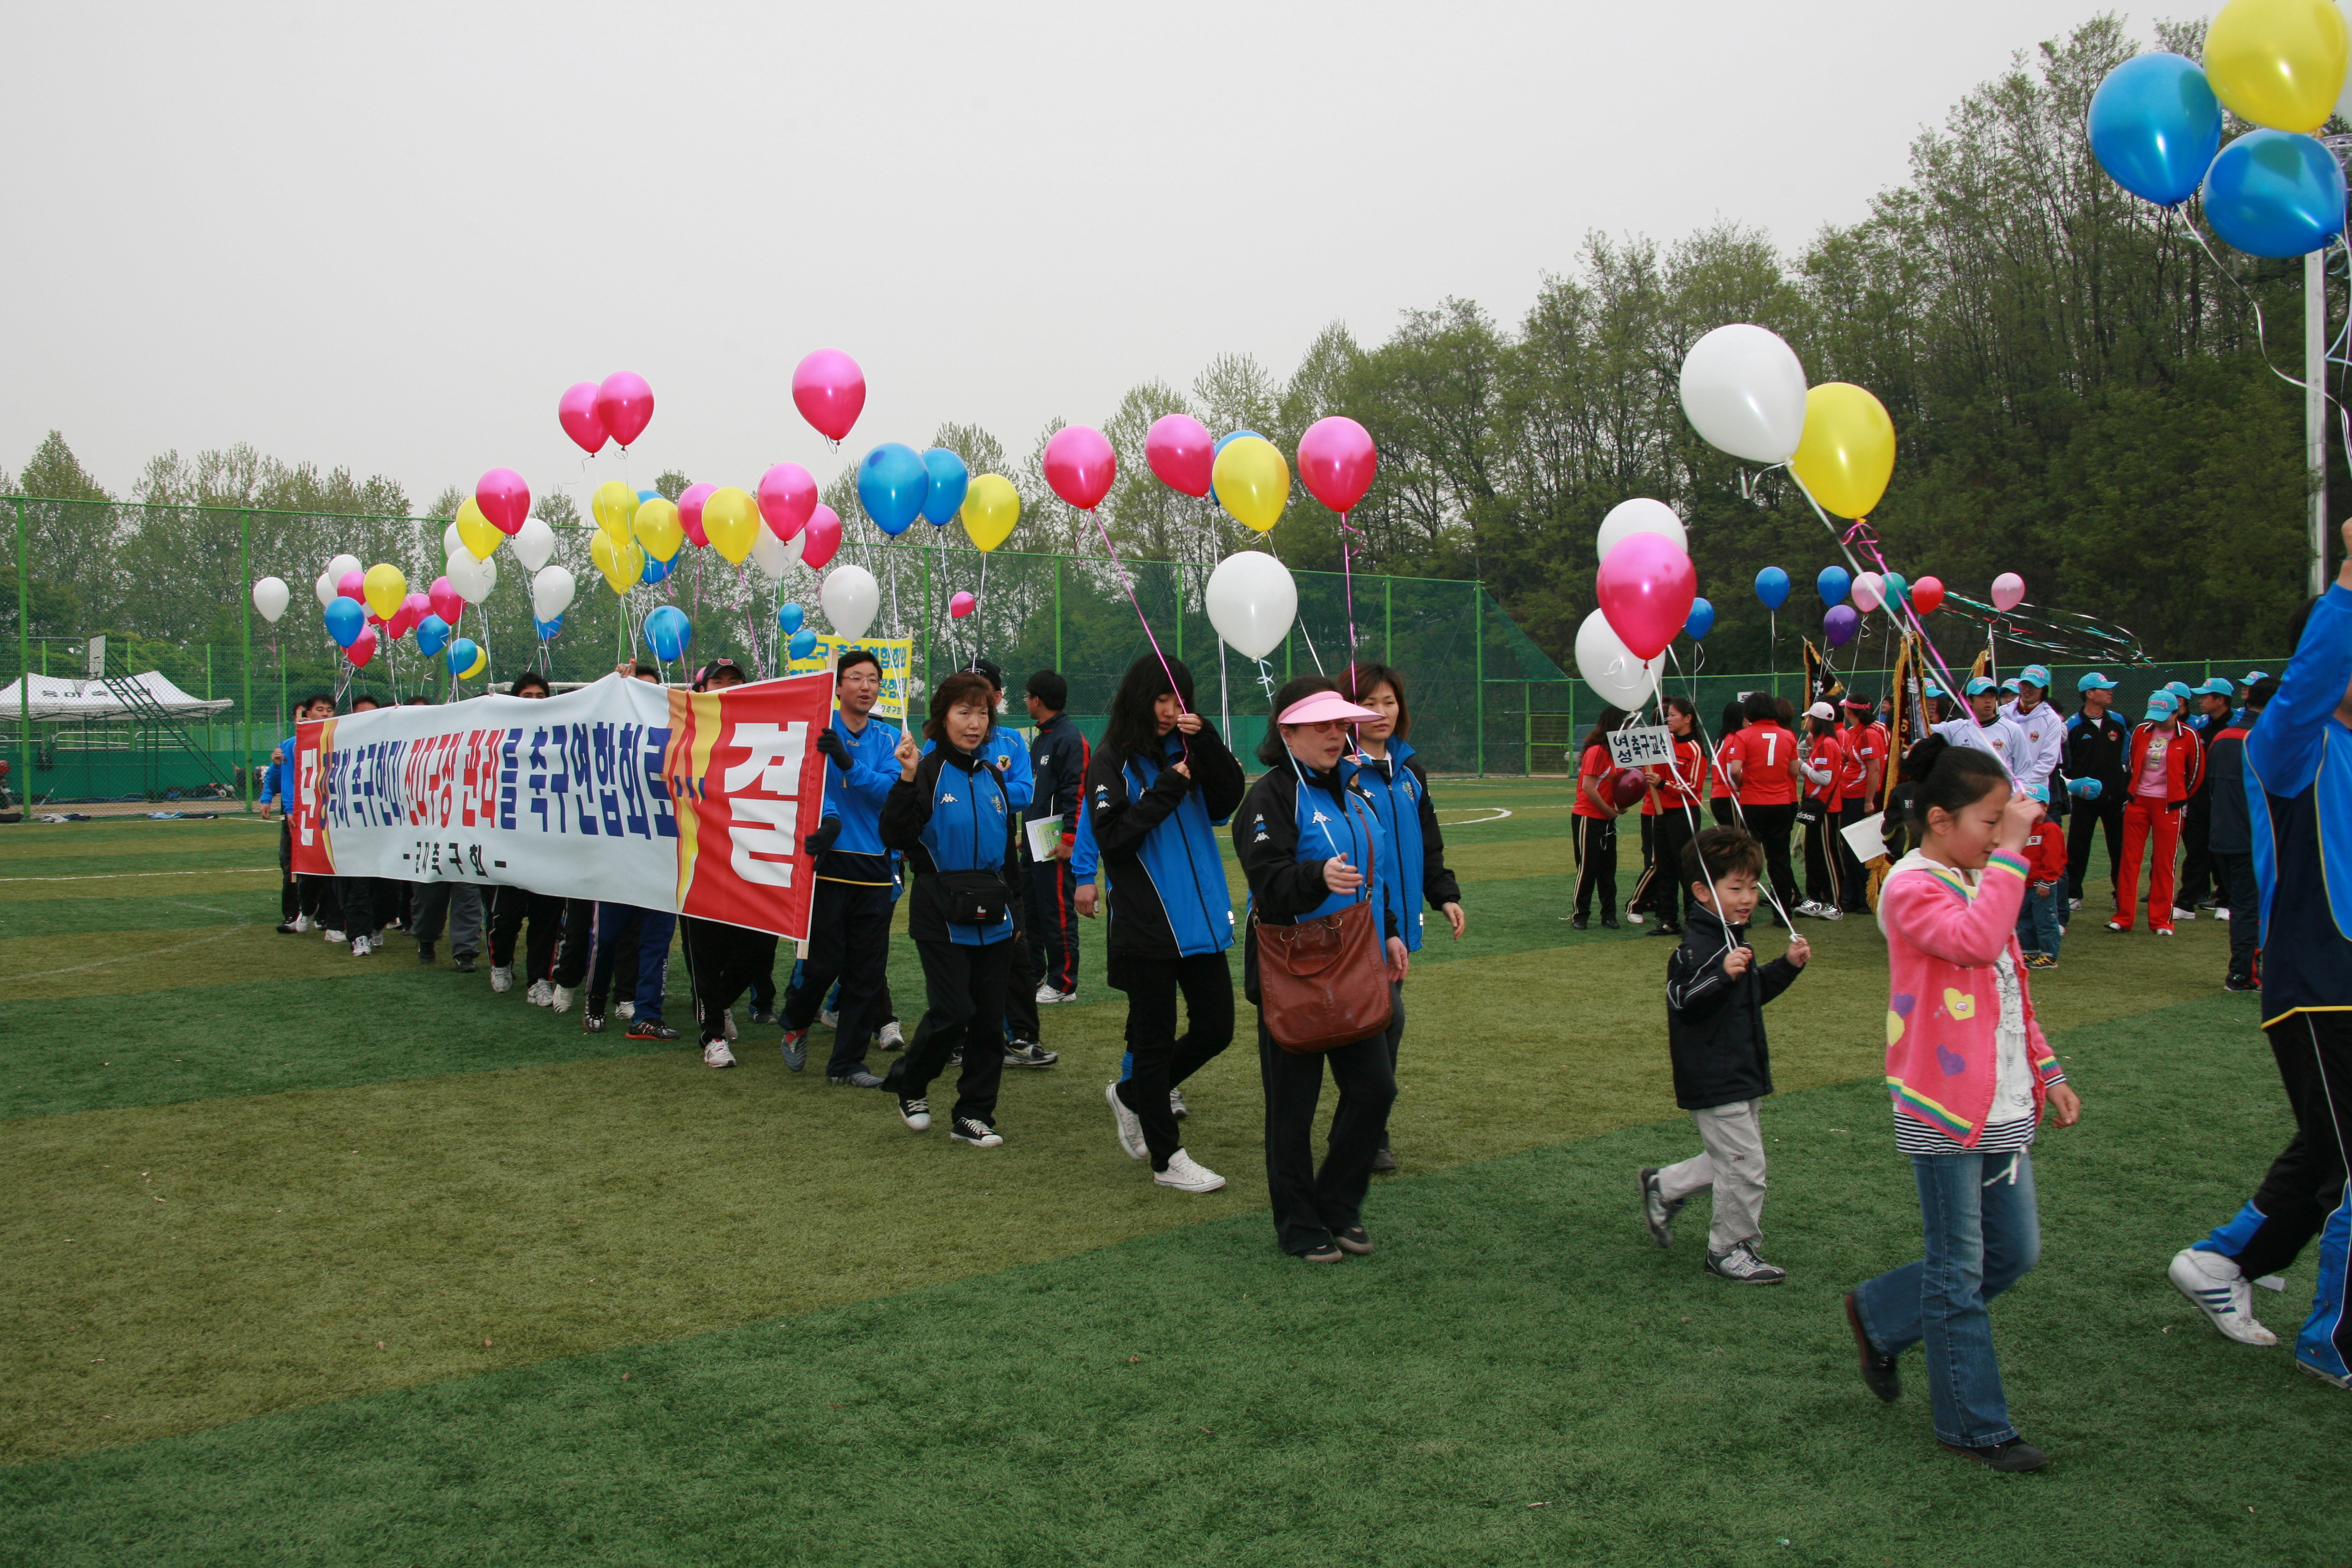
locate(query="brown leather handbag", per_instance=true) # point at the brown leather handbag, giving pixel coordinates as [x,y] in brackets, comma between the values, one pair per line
[1324,984]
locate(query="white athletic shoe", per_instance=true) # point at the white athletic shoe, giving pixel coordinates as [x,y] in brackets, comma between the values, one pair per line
[501,977]
[331,934]
[2221,1292]
[2220,914]
[727,1022]
[540,993]
[1130,1125]
[624,1009]
[361,946]
[1809,909]
[716,1055]
[2181,914]
[1047,995]
[304,923]
[915,1113]
[1176,1104]
[1831,912]
[892,1040]
[1631,919]
[828,1018]
[560,997]
[1187,1174]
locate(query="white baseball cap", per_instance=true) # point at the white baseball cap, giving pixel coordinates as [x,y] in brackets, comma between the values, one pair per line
[1821,710]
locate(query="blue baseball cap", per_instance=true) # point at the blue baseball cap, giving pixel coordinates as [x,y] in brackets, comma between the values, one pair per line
[2160,703]
[1980,684]
[2036,676]
[2180,689]
[2094,681]
[1936,690]
[2039,792]
[2216,687]
[2010,685]
[2254,675]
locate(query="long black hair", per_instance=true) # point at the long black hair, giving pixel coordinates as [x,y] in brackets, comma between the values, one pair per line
[1270,749]
[1936,773]
[1133,729]
[1611,719]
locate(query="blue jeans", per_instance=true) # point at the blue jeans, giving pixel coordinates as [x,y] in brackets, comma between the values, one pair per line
[1982,1234]
[654,929]
[2039,926]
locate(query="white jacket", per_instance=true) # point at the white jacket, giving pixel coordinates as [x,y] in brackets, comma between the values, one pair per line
[2044,730]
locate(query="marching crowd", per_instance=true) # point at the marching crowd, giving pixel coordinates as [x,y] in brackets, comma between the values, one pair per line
[994,842]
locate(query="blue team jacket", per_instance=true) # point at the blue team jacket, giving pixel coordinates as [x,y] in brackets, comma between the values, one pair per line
[1002,746]
[1399,791]
[2299,794]
[855,794]
[954,814]
[1156,829]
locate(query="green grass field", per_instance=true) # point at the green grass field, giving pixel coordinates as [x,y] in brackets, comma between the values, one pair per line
[311,1259]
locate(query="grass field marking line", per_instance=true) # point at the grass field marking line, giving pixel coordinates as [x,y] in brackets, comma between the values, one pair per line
[1494,814]
[144,953]
[125,876]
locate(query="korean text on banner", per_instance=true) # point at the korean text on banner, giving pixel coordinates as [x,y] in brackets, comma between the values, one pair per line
[697,804]
[898,659]
[1641,748]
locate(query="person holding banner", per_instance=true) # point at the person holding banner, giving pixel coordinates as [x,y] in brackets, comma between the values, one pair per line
[1863,744]
[511,909]
[722,960]
[951,814]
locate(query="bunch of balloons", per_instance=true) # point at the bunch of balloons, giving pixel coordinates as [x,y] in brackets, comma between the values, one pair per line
[1743,389]
[2155,125]
[617,409]
[1648,591]
[896,484]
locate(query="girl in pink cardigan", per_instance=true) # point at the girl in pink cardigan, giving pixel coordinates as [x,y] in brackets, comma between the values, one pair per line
[1970,1075]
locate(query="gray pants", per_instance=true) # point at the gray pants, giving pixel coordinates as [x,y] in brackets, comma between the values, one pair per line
[1733,1165]
[458,903]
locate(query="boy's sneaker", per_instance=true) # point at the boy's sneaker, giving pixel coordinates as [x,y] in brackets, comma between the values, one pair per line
[331,934]
[1657,1211]
[1809,909]
[560,997]
[828,1018]
[361,946]
[1176,1104]
[915,1113]
[2012,1458]
[1880,1373]
[1831,912]
[301,923]
[424,953]
[625,1009]
[1187,1174]
[1633,919]
[502,981]
[856,1078]
[2040,961]
[892,1040]
[715,1054]
[540,993]
[1742,1267]
[592,1021]
[976,1132]
[1029,1053]
[2217,1289]
[795,1046]
[1130,1125]
[2219,914]
[650,1029]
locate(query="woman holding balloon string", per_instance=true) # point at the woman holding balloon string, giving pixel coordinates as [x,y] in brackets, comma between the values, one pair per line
[1595,822]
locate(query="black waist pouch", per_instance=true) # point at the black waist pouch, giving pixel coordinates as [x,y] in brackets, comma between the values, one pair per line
[973,898]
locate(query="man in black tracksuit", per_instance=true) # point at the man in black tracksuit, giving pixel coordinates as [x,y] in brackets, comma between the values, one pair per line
[2230,838]
[1058,762]
[2097,744]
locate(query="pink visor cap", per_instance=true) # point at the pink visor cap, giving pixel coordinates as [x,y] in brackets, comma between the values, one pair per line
[1322,708]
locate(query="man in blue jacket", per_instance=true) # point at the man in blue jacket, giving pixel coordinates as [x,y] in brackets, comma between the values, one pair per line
[2298,765]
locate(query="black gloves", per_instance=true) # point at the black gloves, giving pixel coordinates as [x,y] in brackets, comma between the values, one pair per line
[830,828]
[829,743]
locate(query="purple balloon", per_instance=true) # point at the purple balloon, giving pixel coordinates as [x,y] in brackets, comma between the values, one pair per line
[1841,624]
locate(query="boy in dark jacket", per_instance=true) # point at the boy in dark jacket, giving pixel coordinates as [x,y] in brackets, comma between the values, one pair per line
[1723,1068]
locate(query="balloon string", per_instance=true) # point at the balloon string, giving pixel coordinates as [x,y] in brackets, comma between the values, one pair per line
[1152,636]
[1347,575]
[2261,335]
[1300,621]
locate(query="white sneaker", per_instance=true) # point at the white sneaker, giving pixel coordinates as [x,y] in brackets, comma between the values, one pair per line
[305,923]
[624,1009]
[331,934]
[560,997]
[915,1113]
[716,1055]
[540,993]
[1047,995]
[1631,919]
[828,1018]
[2220,914]
[979,1134]
[1130,1125]
[892,1040]
[361,946]
[2073,904]
[2181,914]
[1187,1174]
[1830,912]
[2221,1292]
[727,1022]
[1176,1104]
[501,977]
[1809,909]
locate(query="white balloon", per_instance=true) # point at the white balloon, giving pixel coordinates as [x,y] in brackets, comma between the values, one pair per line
[774,556]
[1744,391]
[1640,515]
[325,588]
[473,579]
[534,544]
[269,598]
[551,592]
[850,597]
[1252,600]
[451,544]
[341,566]
[1609,667]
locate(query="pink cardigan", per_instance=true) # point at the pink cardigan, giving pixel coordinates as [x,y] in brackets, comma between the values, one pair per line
[1943,1008]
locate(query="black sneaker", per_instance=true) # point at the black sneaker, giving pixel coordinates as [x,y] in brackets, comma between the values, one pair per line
[1879,1373]
[795,1047]
[465,964]
[1576,924]
[2012,1458]
[424,953]
[1353,1239]
[1029,1053]
[1657,1212]
[592,1018]
[955,1058]
[644,1028]
[1609,922]
[978,1133]
[2239,983]
[1384,1158]
[760,1017]
[1663,929]
[856,1078]
[290,929]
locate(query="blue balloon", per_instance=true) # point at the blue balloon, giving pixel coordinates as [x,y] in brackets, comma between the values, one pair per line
[461,656]
[1772,587]
[892,486]
[803,643]
[432,635]
[345,621]
[789,616]
[669,632]
[1833,582]
[1700,621]
[2275,193]
[949,479]
[547,629]
[643,496]
[2155,126]
[656,569]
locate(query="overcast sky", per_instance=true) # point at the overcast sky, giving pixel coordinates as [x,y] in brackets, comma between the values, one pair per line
[388,236]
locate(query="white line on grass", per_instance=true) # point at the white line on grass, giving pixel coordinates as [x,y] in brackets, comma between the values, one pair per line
[123,876]
[1496,814]
[143,952]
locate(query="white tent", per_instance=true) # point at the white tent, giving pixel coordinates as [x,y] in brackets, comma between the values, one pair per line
[57,697]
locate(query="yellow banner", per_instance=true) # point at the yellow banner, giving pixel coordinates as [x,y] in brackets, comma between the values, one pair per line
[897,657]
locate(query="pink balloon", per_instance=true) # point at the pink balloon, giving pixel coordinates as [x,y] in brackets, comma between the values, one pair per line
[689,512]
[1646,588]
[444,601]
[504,500]
[412,609]
[362,648]
[1181,452]
[823,532]
[625,406]
[787,498]
[830,392]
[962,605]
[1080,466]
[2008,591]
[1869,591]
[352,585]
[1926,595]
[577,415]
[1337,461]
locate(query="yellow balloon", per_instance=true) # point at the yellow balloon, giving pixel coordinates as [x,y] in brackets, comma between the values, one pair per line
[990,507]
[2279,63]
[1252,481]
[384,587]
[620,561]
[659,529]
[616,505]
[730,521]
[1847,452]
[475,531]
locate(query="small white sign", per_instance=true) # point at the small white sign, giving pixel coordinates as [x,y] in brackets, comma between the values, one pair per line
[98,658]
[1867,838]
[1045,833]
[1652,746]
